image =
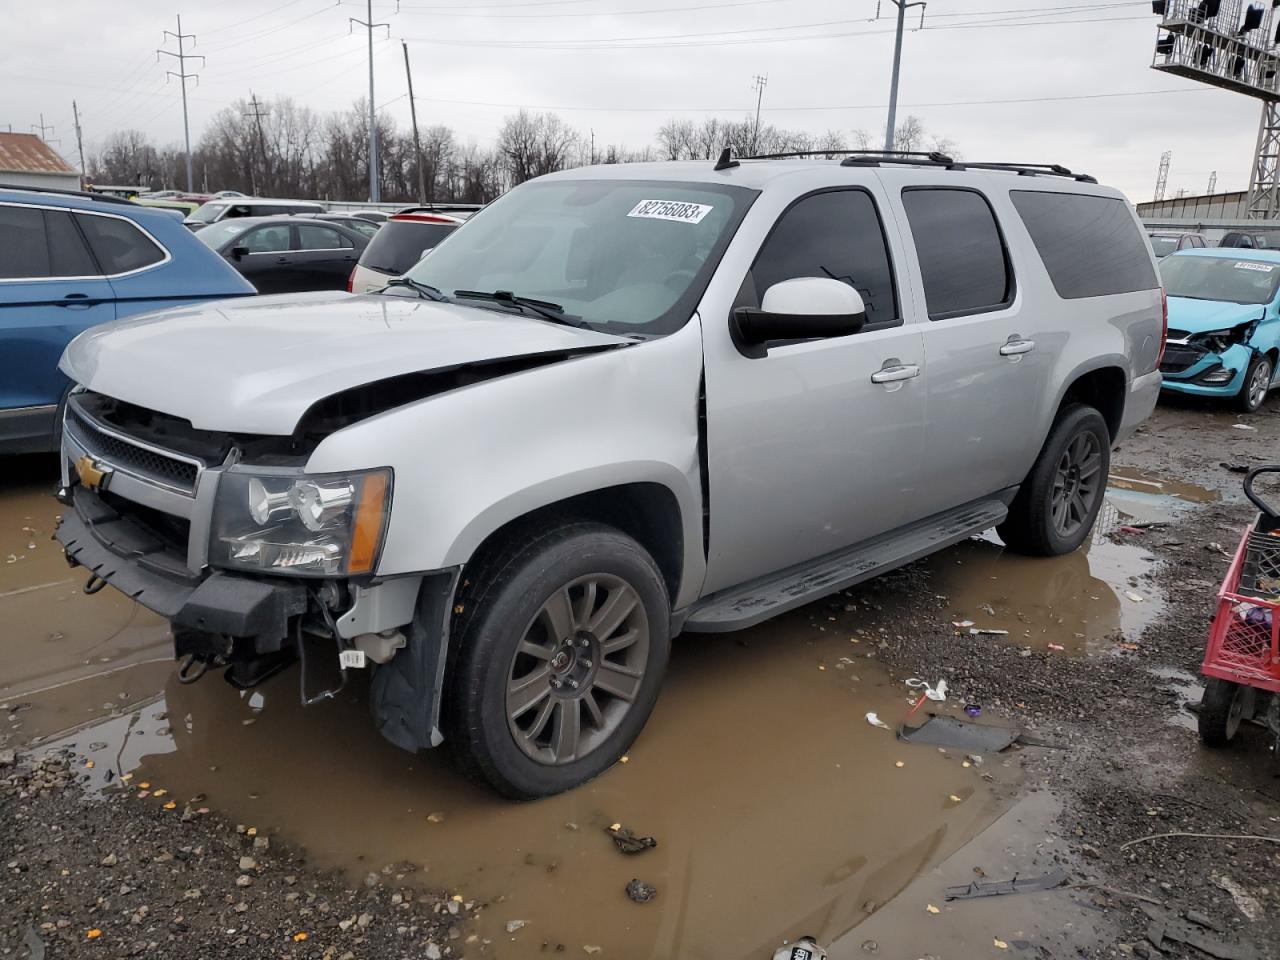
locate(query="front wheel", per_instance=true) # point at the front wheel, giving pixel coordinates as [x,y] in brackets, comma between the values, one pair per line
[1257,381]
[560,647]
[1059,500]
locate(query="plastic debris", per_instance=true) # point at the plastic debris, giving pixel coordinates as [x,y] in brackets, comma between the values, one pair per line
[875,721]
[1235,467]
[999,888]
[996,941]
[1130,529]
[987,632]
[962,625]
[641,892]
[932,909]
[938,731]
[972,709]
[806,948]
[1242,426]
[1245,901]
[1166,925]
[1135,597]
[1057,646]
[627,841]
[936,693]
[514,925]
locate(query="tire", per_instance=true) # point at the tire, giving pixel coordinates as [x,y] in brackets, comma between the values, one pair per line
[1224,707]
[514,602]
[1257,381]
[1036,524]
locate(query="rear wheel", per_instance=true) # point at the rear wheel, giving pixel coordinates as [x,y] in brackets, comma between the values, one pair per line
[560,649]
[1058,502]
[1224,707]
[1257,381]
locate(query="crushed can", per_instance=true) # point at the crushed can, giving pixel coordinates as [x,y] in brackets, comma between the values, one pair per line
[806,948]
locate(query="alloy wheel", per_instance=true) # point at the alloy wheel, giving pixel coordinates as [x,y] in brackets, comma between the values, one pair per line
[577,669]
[1077,484]
[1259,383]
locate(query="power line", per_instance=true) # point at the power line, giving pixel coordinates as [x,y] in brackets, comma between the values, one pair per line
[257,16]
[182,57]
[716,39]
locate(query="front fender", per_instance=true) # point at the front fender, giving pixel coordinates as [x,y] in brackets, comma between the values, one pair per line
[471,460]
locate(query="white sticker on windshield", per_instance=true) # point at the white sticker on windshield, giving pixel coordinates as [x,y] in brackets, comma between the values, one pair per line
[1250,265]
[676,210]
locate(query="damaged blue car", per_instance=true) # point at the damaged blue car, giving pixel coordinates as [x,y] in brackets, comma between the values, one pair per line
[1224,324]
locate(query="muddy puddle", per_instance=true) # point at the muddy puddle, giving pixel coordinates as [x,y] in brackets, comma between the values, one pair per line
[1089,602]
[759,776]
[68,656]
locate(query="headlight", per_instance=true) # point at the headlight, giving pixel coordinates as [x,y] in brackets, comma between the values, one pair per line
[317,526]
[1219,340]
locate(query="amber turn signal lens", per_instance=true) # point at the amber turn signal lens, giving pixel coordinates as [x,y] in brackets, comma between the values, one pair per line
[370,519]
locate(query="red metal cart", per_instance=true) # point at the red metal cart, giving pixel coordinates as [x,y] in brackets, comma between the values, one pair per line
[1242,660]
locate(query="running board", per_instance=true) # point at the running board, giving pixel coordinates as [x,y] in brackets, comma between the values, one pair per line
[750,603]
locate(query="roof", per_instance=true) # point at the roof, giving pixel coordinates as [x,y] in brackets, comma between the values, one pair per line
[27,153]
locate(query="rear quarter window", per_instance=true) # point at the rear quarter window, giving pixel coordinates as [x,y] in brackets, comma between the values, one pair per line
[118,245]
[1091,246]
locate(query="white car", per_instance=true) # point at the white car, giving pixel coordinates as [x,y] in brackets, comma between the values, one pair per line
[402,241]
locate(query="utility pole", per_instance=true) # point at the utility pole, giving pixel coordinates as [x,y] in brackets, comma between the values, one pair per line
[182,57]
[593,145]
[760,83]
[257,114]
[75,112]
[374,194]
[42,127]
[413,115]
[1213,181]
[903,6]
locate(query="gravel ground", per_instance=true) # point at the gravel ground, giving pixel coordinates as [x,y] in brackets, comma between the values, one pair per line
[108,876]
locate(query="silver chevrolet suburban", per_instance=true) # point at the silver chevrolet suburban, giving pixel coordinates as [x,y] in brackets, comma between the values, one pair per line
[619,404]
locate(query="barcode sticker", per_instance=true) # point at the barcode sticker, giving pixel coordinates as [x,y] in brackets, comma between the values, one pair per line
[1250,265]
[676,210]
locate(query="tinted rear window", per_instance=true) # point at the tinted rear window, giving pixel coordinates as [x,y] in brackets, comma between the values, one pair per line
[962,258]
[118,244]
[399,244]
[41,244]
[1091,246]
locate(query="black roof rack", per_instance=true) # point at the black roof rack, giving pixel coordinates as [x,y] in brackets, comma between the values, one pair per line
[927,158]
[102,197]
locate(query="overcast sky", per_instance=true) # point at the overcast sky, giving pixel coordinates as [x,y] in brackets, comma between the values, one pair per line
[827,62]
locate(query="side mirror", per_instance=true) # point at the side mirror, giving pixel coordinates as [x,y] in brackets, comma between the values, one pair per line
[805,308]
[239,252]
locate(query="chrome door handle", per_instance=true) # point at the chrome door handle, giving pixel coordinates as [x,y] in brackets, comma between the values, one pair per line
[1015,347]
[903,371]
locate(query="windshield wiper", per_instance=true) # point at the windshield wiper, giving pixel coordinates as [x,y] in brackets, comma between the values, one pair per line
[542,308]
[424,290]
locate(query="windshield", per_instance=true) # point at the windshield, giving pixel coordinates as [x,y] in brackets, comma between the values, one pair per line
[208,212]
[1220,278]
[630,256]
[216,234]
[1163,246]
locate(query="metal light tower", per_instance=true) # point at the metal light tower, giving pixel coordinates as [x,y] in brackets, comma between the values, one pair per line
[375,195]
[903,6]
[1162,176]
[182,57]
[1235,45]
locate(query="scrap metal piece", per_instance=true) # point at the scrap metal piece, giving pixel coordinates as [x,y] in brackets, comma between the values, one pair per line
[999,888]
[938,731]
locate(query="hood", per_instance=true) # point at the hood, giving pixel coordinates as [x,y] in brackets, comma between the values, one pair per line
[256,365]
[1199,316]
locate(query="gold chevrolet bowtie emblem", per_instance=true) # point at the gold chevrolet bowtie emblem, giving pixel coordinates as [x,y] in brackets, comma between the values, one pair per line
[92,474]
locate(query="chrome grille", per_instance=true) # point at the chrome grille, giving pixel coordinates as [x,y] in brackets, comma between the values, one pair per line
[134,457]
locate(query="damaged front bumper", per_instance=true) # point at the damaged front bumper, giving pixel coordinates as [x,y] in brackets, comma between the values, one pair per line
[1200,372]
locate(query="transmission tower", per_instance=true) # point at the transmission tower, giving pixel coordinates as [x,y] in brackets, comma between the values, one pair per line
[1213,182]
[1233,45]
[182,57]
[1162,177]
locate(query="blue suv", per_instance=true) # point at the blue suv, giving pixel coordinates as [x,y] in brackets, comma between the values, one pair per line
[69,261]
[1224,324]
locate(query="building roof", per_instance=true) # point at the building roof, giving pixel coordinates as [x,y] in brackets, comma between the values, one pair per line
[27,153]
